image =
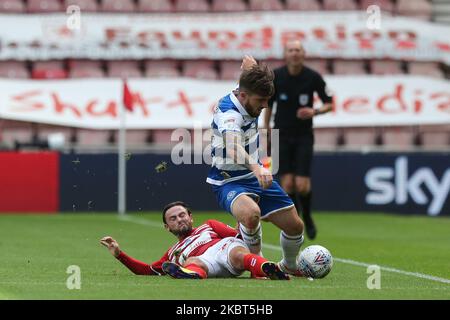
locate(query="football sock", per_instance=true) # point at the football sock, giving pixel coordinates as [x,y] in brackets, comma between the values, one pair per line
[252,237]
[291,247]
[197,269]
[252,263]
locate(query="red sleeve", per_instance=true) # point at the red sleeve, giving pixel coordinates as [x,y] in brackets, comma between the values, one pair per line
[142,268]
[222,229]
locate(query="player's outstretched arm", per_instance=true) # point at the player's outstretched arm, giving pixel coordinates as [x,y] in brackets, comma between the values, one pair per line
[135,266]
[111,244]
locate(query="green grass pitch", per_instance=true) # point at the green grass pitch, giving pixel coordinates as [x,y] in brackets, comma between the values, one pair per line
[36,251]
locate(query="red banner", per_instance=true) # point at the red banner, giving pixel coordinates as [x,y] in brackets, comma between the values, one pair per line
[29,182]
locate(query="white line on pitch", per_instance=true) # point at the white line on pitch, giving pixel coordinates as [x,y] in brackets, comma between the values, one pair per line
[277,248]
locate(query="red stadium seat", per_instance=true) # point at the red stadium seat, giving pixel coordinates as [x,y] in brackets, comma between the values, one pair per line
[435,137]
[230,70]
[35,6]
[12,6]
[349,67]
[155,6]
[86,73]
[339,5]
[382,67]
[86,69]
[200,69]
[274,63]
[265,5]
[430,69]
[124,69]
[12,131]
[416,8]
[13,69]
[192,6]
[319,65]
[85,5]
[86,137]
[45,130]
[162,68]
[162,136]
[326,137]
[359,137]
[398,137]
[228,6]
[385,5]
[53,69]
[303,5]
[118,6]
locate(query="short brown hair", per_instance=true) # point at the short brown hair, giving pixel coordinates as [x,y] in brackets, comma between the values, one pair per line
[173,204]
[258,80]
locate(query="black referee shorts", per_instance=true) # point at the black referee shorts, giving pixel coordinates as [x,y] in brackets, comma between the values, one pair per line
[296,152]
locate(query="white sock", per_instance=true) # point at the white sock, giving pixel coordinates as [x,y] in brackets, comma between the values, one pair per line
[291,248]
[252,238]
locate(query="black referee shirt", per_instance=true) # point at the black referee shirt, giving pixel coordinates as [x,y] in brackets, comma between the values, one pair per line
[294,92]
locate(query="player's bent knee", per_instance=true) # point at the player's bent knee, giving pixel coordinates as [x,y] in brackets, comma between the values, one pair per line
[236,257]
[251,216]
[296,227]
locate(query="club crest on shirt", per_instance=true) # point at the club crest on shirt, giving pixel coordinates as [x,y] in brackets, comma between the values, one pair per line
[230,195]
[283,96]
[303,99]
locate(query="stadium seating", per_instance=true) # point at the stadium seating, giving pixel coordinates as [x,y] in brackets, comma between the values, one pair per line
[319,65]
[349,67]
[42,6]
[53,69]
[85,5]
[155,6]
[162,68]
[12,6]
[124,69]
[398,137]
[228,6]
[12,131]
[359,137]
[339,5]
[383,67]
[201,69]
[192,6]
[415,8]
[118,6]
[230,70]
[326,137]
[265,5]
[86,69]
[13,69]
[385,5]
[435,137]
[430,69]
[303,5]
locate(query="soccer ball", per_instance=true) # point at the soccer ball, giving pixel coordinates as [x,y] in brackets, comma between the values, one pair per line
[315,261]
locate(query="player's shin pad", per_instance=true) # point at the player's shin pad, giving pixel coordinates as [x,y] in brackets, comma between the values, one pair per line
[252,237]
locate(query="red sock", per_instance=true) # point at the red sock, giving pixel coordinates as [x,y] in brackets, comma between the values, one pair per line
[196,268]
[252,263]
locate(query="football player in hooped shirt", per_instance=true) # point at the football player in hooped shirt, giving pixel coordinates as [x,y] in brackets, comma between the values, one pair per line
[211,250]
[243,187]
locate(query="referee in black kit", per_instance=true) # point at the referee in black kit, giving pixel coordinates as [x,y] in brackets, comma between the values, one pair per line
[295,85]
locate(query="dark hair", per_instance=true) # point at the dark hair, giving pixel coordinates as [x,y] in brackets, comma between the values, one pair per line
[173,204]
[257,80]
